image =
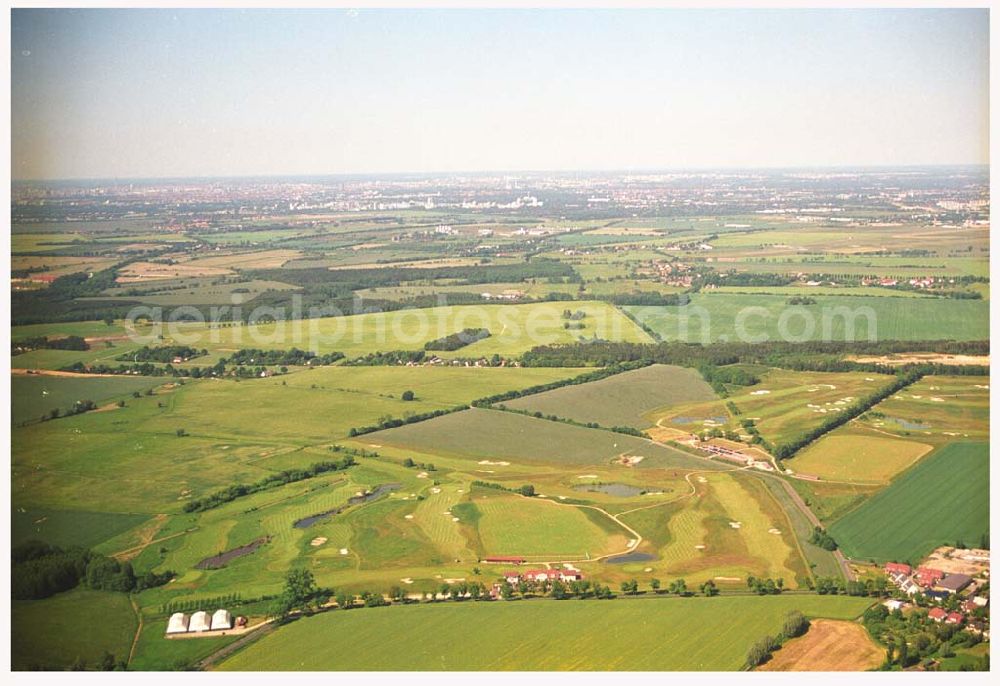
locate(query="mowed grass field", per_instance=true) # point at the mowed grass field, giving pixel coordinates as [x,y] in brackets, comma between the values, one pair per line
[81,624]
[494,435]
[942,500]
[755,318]
[783,405]
[857,456]
[33,396]
[695,634]
[731,527]
[513,328]
[512,525]
[625,399]
[67,528]
[936,409]
[80,462]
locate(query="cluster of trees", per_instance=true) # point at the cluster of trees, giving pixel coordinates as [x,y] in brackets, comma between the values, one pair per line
[801,300]
[823,539]
[646,299]
[760,652]
[281,478]
[44,343]
[40,570]
[425,466]
[858,407]
[300,594]
[293,357]
[735,278]
[822,354]
[913,639]
[72,297]
[79,407]
[191,605]
[717,377]
[393,357]
[163,353]
[457,340]
[526,490]
[875,588]
[392,423]
[148,369]
[766,586]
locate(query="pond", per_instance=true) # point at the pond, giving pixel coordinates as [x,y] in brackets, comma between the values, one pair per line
[910,426]
[377,492]
[618,490]
[220,560]
[630,557]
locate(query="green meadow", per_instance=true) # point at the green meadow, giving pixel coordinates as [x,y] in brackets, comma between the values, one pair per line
[537,636]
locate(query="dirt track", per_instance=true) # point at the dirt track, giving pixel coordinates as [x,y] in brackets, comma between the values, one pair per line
[828,646]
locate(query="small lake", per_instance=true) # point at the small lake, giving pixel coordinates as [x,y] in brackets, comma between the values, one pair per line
[617,490]
[630,557]
[378,492]
[910,426]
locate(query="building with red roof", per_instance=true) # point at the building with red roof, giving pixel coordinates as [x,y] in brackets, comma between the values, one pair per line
[928,577]
[898,568]
[937,614]
[954,618]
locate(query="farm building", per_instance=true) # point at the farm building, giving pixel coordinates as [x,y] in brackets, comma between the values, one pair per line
[953,583]
[927,577]
[937,614]
[178,623]
[898,568]
[222,620]
[200,622]
[502,560]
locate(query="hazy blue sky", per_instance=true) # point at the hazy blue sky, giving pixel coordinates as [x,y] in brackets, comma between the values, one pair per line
[139,93]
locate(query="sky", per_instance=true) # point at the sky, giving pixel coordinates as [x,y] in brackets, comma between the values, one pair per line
[188,93]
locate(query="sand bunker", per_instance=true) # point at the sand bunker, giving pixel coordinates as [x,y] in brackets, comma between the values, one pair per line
[318,541]
[728,578]
[937,400]
[759,392]
[776,532]
[490,462]
[435,490]
[407,580]
[422,475]
[587,476]
[699,547]
[343,551]
[454,519]
[735,525]
[702,480]
[407,516]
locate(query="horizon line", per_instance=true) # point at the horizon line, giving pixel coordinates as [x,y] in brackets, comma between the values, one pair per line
[487,172]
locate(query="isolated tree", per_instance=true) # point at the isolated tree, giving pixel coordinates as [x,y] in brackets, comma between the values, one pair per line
[655,585]
[407,396]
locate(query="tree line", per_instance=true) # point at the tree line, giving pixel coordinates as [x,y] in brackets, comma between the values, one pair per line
[281,478]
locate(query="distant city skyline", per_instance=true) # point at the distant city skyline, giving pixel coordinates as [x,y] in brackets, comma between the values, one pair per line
[133,94]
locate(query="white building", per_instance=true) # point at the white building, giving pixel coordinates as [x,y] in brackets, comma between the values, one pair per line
[222,620]
[178,623]
[199,622]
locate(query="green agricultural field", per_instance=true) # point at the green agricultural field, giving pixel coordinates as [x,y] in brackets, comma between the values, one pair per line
[533,528]
[625,399]
[595,635]
[35,395]
[494,435]
[942,500]
[857,456]
[67,528]
[812,291]
[78,625]
[757,318]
